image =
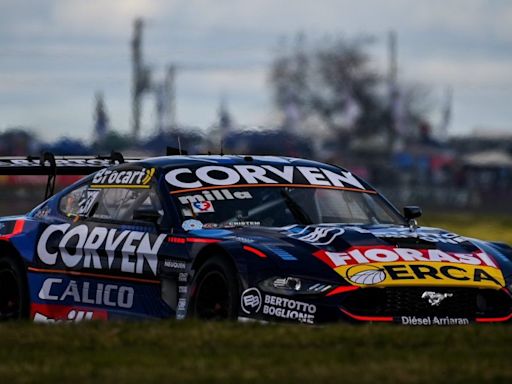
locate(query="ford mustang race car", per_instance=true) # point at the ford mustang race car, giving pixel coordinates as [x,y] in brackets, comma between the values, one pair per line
[237,237]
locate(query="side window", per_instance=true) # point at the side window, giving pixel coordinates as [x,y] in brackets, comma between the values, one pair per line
[79,201]
[122,204]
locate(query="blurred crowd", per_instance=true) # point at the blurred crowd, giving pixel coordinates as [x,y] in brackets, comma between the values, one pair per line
[332,104]
[467,172]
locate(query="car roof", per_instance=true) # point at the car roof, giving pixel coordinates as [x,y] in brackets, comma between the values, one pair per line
[227,160]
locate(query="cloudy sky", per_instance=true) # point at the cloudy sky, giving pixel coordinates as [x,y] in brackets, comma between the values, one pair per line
[55,54]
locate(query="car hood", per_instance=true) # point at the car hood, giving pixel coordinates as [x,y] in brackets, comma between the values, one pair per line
[379,255]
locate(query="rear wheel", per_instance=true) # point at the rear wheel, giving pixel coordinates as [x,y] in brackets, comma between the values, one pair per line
[215,291]
[13,290]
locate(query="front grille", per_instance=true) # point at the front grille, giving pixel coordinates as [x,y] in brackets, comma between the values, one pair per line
[408,301]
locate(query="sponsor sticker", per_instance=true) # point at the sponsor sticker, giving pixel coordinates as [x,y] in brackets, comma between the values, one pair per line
[191,225]
[433,320]
[59,163]
[183,289]
[181,310]
[388,266]
[87,292]
[202,207]
[218,175]
[241,239]
[242,224]
[41,214]
[54,313]
[215,195]
[252,303]
[79,247]
[193,203]
[128,178]
[403,233]
[318,235]
[175,265]
[285,308]
[183,277]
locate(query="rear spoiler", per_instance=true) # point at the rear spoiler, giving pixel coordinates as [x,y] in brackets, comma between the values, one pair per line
[52,166]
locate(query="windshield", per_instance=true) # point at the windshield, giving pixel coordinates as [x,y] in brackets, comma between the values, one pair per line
[282,206]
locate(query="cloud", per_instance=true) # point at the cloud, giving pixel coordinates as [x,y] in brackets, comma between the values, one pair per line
[474,72]
[469,17]
[57,53]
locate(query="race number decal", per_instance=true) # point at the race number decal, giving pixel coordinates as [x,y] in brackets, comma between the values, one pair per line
[87,201]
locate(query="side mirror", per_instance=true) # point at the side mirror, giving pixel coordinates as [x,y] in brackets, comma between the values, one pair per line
[411,212]
[148,215]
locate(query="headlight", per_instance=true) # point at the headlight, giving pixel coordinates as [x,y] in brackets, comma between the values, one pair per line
[294,285]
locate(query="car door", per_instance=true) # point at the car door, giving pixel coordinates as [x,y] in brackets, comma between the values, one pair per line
[127,242]
[101,254]
[107,231]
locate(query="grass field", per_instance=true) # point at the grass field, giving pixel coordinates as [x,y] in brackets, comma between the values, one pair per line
[486,227]
[189,352]
[192,352]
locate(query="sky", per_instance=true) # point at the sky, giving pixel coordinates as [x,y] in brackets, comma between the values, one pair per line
[56,54]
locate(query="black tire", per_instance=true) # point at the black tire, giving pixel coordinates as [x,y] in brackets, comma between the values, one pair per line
[14,301]
[215,291]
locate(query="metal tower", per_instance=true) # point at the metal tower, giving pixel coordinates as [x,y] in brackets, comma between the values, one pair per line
[140,77]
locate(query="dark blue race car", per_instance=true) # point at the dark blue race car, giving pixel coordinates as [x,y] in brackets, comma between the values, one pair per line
[237,237]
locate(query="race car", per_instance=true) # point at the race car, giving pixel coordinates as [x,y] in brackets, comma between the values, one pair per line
[237,237]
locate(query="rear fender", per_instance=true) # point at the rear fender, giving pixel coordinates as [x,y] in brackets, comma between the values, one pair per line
[22,235]
[7,249]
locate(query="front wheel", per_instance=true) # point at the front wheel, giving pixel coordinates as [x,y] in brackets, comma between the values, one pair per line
[215,291]
[13,290]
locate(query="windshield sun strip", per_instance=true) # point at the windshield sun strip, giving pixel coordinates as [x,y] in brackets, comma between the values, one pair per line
[274,186]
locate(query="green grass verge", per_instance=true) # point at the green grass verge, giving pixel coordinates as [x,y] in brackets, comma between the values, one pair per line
[485,227]
[190,352]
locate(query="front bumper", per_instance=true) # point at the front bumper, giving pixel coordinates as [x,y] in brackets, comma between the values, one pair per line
[400,305]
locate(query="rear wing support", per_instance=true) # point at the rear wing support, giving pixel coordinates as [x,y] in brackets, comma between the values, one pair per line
[52,173]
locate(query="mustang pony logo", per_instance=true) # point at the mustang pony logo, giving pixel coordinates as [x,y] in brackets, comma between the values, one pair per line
[434,298]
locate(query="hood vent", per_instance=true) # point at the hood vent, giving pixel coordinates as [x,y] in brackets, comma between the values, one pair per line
[409,242]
